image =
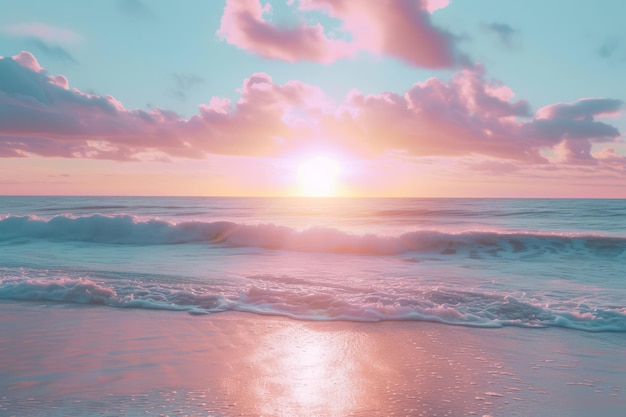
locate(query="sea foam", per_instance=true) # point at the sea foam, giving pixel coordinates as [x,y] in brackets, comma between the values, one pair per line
[449,306]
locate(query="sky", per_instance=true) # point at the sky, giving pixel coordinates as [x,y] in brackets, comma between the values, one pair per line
[385,98]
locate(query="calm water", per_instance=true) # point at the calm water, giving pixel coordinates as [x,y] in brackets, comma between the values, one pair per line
[469,262]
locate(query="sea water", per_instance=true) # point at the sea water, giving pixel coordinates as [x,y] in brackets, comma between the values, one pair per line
[531,263]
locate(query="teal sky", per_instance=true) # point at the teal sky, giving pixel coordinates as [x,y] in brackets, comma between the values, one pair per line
[169,55]
[134,50]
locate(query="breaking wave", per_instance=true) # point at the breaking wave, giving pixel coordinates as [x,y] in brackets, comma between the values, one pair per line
[128,230]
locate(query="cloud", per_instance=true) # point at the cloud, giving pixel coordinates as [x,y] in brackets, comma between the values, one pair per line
[612,49]
[472,115]
[584,109]
[608,48]
[135,8]
[432,5]
[43,32]
[496,168]
[46,39]
[243,24]
[268,118]
[53,51]
[505,34]
[27,60]
[183,83]
[398,28]
[41,115]
[469,115]
[572,127]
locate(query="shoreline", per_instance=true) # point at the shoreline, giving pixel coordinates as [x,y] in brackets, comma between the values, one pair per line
[85,360]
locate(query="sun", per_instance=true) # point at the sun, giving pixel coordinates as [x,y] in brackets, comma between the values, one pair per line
[317,176]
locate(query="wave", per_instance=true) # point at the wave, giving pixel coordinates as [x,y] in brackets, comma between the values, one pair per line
[464,308]
[128,230]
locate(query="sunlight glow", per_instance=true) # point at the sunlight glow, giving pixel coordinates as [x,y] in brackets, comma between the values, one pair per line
[317,177]
[308,373]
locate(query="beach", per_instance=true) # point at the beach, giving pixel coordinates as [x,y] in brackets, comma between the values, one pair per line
[312,208]
[131,306]
[63,360]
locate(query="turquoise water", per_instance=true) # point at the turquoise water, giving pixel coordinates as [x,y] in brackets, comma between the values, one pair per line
[470,262]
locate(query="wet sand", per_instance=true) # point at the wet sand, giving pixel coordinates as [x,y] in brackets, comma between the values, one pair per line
[62,360]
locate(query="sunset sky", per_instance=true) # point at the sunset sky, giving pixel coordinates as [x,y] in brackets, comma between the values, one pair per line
[430,98]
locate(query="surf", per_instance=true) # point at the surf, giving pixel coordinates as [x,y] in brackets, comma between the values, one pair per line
[129,230]
[434,304]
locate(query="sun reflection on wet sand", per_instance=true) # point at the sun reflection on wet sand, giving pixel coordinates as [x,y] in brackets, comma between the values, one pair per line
[307,372]
[359,369]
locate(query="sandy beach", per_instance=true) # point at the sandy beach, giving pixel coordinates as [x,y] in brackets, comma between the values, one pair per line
[85,360]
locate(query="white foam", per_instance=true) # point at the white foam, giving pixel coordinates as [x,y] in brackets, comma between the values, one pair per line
[464,308]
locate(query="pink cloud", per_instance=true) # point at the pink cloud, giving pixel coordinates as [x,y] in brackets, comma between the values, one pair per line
[571,128]
[472,115]
[61,81]
[399,28]
[433,5]
[582,109]
[463,116]
[243,24]
[469,115]
[41,115]
[28,60]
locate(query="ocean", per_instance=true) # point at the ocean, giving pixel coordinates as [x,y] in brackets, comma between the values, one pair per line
[467,262]
[478,264]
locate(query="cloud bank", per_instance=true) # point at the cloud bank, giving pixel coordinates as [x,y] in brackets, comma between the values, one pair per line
[467,115]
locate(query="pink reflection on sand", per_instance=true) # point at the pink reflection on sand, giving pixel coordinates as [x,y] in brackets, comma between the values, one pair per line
[102,361]
[304,371]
